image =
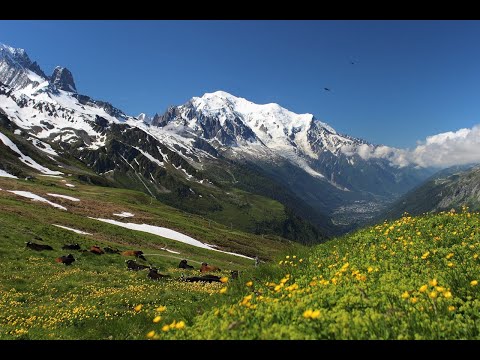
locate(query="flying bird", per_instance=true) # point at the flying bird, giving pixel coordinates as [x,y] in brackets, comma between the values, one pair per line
[326,89]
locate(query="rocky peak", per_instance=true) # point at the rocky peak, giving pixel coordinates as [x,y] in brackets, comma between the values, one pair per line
[62,78]
[16,56]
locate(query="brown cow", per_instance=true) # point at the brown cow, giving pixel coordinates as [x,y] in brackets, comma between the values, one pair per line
[67,260]
[208,268]
[136,253]
[97,250]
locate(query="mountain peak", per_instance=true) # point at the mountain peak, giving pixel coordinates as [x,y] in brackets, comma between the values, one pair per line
[62,78]
[145,118]
[14,52]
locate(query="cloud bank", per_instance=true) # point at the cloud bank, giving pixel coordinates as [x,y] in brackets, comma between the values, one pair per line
[441,150]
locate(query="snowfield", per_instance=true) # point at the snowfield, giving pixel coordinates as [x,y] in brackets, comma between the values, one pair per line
[64,197]
[124,214]
[34,197]
[27,160]
[166,233]
[3,173]
[71,229]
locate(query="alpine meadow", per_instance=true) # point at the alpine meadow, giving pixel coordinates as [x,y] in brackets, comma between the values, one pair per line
[235,214]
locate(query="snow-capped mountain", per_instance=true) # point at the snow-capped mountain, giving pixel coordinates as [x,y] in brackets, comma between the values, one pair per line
[201,143]
[268,132]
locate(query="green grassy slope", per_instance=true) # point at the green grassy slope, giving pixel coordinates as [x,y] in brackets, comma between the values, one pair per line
[95,297]
[414,278]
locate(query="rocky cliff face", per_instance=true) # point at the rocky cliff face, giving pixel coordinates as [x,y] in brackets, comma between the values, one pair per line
[62,78]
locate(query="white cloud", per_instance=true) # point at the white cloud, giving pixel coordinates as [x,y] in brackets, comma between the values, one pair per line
[441,150]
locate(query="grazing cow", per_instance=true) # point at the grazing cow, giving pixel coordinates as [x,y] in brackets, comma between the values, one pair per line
[204,278]
[234,274]
[136,253]
[109,250]
[183,265]
[155,275]
[97,250]
[67,260]
[38,247]
[208,268]
[132,265]
[71,247]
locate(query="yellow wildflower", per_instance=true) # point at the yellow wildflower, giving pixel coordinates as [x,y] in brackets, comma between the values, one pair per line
[157,319]
[474,283]
[413,300]
[223,290]
[424,256]
[433,282]
[307,313]
[447,294]
[180,325]
[165,328]
[249,283]
[451,308]
[440,288]
[315,314]
[433,294]
[161,308]
[423,288]
[223,279]
[405,295]
[450,264]
[151,334]
[449,256]
[138,307]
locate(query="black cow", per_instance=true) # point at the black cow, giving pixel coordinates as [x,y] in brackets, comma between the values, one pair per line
[204,278]
[132,265]
[67,260]
[155,275]
[183,265]
[109,250]
[71,247]
[38,247]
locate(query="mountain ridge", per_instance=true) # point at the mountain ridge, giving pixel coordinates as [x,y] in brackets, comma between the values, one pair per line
[181,147]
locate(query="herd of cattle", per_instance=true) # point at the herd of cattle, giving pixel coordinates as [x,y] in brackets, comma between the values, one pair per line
[132,264]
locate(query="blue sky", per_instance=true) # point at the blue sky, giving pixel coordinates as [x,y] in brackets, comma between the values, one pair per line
[410,79]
